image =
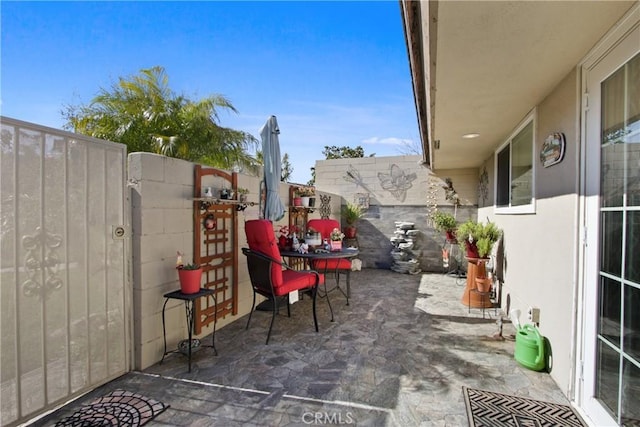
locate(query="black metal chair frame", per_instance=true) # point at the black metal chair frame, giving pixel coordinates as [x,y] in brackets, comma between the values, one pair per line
[259,266]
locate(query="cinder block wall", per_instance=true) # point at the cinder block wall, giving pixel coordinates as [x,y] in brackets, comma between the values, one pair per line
[162,191]
[162,223]
[399,188]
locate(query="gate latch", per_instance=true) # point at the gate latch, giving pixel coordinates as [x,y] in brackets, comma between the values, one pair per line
[118,232]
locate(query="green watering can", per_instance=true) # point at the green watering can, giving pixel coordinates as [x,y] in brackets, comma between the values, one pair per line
[530,348]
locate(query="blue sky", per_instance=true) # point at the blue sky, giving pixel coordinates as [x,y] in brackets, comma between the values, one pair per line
[334,73]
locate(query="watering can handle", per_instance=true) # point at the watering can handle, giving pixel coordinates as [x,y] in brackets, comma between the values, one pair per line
[539,342]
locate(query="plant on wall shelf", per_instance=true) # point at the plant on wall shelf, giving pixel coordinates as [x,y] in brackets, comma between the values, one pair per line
[306,191]
[242,194]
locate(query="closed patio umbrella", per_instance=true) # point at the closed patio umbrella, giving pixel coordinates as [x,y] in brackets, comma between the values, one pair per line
[273,207]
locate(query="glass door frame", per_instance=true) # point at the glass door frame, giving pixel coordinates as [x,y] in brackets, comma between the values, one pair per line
[616,49]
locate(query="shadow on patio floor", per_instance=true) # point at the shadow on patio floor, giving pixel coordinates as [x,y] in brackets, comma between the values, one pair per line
[397,356]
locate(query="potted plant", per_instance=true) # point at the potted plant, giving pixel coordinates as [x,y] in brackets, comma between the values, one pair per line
[242,194]
[477,238]
[445,222]
[336,237]
[306,194]
[190,276]
[351,214]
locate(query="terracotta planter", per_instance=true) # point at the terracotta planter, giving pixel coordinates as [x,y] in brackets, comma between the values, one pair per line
[336,245]
[350,232]
[483,284]
[190,280]
[297,201]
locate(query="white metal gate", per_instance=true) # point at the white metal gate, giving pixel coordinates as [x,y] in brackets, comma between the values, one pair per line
[65,293]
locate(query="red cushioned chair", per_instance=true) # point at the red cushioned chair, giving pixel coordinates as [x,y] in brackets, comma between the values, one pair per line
[268,278]
[336,266]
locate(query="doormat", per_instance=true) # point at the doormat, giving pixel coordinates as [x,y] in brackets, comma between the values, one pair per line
[118,408]
[486,408]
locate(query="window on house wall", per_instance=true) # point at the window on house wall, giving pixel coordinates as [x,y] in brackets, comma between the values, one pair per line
[515,172]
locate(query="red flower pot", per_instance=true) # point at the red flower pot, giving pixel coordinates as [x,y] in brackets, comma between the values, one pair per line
[350,232]
[190,280]
[472,250]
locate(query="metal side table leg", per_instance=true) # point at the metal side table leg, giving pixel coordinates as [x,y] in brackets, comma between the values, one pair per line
[189,311]
[164,330]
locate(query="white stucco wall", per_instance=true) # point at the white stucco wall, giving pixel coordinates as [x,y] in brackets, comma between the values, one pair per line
[540,249]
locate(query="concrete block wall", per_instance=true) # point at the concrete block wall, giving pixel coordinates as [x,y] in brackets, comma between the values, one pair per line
[400,188]
[162,191]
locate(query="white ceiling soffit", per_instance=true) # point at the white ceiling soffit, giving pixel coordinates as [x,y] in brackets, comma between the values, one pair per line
[496,60]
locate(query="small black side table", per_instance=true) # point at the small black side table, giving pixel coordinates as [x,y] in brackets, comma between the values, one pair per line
[189,308]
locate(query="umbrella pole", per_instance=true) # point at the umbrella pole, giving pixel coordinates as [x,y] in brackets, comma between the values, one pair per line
[261,199]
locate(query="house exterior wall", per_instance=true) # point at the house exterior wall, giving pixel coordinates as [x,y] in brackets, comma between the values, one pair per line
[399,188]
[540,249]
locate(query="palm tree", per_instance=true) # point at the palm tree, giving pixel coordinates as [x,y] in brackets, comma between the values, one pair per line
[143,113]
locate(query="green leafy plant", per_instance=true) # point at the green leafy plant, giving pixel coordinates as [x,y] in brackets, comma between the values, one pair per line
[182,266]
[444,221]
[242,190]
[306,191]
[337,235]
[352,213]
[484,236]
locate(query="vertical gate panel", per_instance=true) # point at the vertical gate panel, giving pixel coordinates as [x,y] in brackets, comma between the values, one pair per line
[115,266]
[64,284]
[54,222]
[77,253]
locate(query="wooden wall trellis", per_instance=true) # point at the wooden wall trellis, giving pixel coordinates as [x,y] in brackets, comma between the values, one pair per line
[215,249]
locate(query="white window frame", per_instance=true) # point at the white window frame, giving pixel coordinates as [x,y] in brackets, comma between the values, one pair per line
[529,208]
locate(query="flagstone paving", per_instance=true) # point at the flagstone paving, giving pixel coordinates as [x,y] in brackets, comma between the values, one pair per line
[398,355]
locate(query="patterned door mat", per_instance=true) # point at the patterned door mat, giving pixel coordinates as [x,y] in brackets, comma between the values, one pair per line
[118,408]
[486,408]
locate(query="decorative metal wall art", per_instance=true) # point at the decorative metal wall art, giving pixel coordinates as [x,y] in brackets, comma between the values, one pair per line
[483,186]
[396,182]
[325,206]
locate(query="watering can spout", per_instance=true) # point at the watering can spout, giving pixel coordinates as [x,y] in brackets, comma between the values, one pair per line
[514,315]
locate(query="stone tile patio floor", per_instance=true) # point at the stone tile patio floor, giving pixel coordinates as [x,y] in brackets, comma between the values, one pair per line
[397,356]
